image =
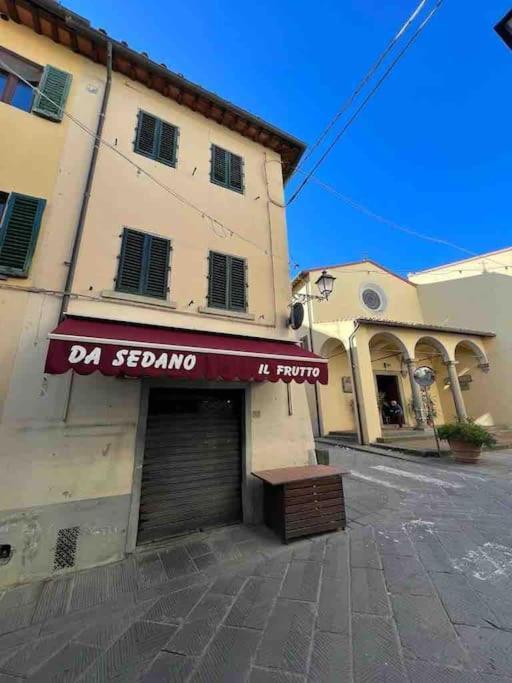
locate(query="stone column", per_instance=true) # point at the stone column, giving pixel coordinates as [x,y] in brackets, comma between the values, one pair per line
[416,395]
[458,399]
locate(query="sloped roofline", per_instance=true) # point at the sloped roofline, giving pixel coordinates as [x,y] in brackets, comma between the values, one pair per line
[464,260]
[304,273]
[65,27]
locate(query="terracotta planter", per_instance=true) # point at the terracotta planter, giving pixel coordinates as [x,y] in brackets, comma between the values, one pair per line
[464,451]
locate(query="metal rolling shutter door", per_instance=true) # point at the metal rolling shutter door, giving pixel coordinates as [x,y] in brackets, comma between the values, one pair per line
[192,472]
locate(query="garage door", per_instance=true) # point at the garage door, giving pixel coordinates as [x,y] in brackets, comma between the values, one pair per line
[192,471]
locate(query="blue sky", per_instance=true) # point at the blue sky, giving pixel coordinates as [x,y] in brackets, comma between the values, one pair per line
[431,151]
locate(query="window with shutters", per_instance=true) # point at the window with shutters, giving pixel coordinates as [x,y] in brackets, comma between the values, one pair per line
[227,282]
[13,88]
[20,219]
[19,77]
[143,264]
[156,139]
[227,169]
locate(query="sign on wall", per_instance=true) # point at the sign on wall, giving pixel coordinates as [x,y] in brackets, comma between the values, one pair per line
[346,385]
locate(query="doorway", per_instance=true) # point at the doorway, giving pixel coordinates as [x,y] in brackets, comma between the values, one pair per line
[192,471]
[388,389]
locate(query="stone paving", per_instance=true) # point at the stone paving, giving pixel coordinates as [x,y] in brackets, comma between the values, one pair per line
[418,589]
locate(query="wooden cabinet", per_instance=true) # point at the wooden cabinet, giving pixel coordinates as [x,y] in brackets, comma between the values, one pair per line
[299,501]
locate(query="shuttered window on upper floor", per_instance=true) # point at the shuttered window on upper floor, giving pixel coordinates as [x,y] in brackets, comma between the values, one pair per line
[20,219]
[227,282]
[143,264]
[156,139]
[19,78]
[227,169]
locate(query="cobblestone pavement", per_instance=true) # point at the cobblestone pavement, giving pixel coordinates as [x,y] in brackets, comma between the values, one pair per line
[418,589]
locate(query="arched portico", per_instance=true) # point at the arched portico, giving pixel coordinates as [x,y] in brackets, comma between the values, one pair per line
[337,397]
[391,361]
[468,376]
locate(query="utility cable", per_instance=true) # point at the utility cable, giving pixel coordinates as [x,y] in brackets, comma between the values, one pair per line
[229,231]
[362,83]
[363,104]
[219,228]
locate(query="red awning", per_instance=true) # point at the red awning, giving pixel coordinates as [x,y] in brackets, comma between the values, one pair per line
[118,349]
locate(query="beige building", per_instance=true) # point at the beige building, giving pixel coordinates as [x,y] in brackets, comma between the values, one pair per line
[477,292]
[148,275]
[374,330]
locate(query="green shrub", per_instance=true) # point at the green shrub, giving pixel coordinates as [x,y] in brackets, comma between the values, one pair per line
[466,430]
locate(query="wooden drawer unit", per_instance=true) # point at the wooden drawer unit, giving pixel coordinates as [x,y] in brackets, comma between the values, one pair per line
[299,501]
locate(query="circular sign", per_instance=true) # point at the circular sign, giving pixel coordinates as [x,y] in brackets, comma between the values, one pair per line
[424,376]
[296,315]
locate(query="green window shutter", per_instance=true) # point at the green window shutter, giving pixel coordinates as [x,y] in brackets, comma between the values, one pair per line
[167,143]
[157,267]
[131,261]
[54,89]
[219,169]
[147,133]
[143,264]
[18,233]
[236,174]
[218,281]
[237,288]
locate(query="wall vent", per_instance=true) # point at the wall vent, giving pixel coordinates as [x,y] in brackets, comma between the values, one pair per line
[65,548]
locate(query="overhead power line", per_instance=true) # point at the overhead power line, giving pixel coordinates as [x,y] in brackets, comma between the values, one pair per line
[402,228]
[366,78]
[365,101]
[218,227]
[223,231]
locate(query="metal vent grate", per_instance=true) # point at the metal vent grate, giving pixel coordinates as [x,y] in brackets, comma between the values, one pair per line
[65,548]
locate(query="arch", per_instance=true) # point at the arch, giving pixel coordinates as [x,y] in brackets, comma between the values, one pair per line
[436,344]
[331,347]
[390,337]
[473,346]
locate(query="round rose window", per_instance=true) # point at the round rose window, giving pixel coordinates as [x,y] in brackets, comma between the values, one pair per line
[371,299]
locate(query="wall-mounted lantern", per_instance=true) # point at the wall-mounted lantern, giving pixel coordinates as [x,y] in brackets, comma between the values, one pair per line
[325,284]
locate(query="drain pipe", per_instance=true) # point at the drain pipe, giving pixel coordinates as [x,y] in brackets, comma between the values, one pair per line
[354,377]
[311,346]
[87,190]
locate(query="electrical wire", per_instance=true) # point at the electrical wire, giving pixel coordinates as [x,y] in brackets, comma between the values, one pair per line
[367,99]
[226,231]
[215,223]
[402,228]
[366,78]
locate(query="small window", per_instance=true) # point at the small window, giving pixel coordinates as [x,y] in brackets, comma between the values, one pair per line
[227,282]
[227,169]
[143,264]
[20,219]
[13,90]
[156,139]
[21,76]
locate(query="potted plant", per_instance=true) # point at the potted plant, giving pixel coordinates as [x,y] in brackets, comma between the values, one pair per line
[466,439]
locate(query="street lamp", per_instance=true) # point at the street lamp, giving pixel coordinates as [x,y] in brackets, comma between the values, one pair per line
[325,284]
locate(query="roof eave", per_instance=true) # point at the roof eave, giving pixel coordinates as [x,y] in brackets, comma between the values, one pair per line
[177,87]
[424,326]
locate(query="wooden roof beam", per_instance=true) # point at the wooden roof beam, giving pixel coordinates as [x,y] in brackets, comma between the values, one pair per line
[73,41]
[55,31]
[12,11]
[174,92]
[36,20]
